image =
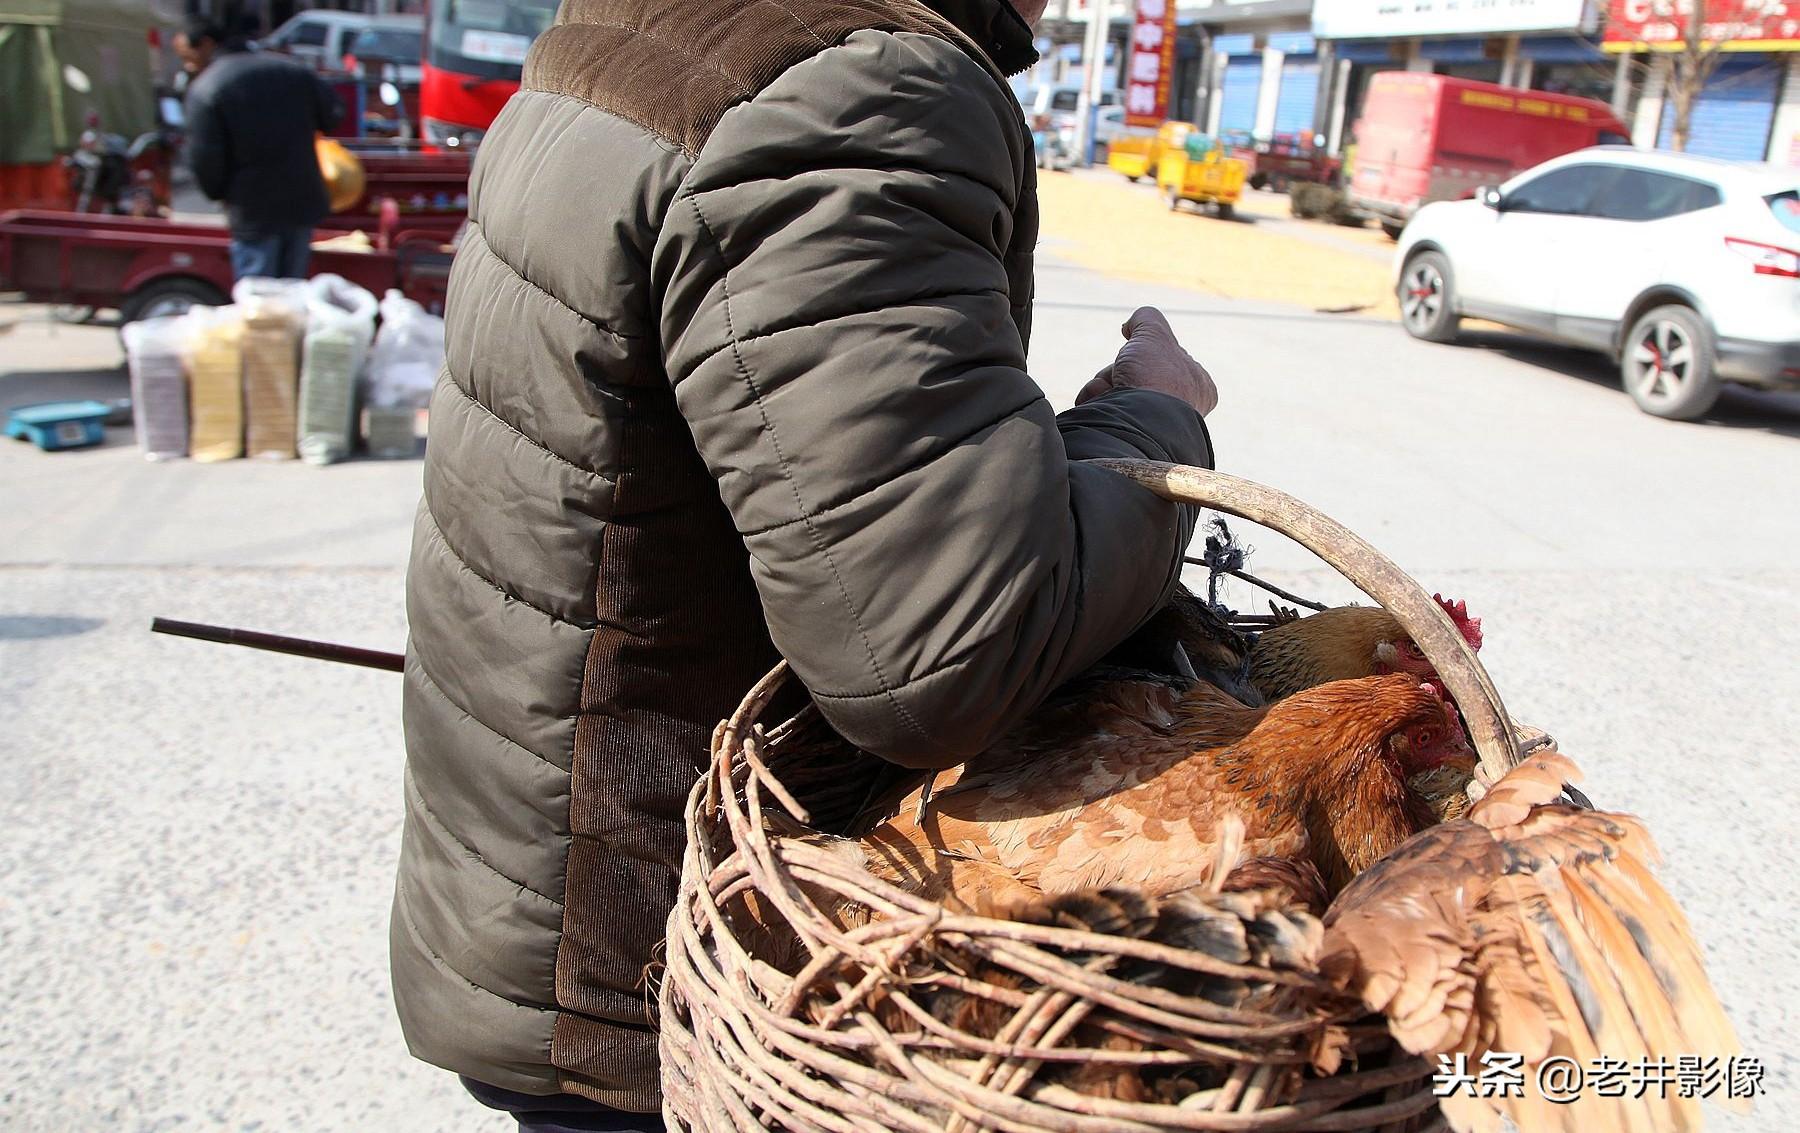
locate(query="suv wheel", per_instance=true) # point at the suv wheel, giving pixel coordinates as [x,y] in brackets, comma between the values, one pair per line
[1667,364]
[1427,305]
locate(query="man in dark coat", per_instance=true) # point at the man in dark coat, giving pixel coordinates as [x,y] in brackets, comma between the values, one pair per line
[735,366]
[251,119]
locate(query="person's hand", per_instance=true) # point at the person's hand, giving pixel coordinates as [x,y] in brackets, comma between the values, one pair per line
[1152,359]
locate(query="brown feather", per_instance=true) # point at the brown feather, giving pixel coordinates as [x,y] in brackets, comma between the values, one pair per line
[1132,785]
[1142,809]
[1548,915]
[1332,645]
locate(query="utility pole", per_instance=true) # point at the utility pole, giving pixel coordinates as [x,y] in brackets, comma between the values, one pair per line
[1093,66]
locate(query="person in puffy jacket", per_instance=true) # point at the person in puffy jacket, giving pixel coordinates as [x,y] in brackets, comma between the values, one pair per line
[251,118]
[736,369]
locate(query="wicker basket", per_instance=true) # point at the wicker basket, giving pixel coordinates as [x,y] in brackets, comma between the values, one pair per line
[852,1035]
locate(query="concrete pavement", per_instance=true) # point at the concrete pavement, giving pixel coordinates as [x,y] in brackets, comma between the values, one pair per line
[196,843]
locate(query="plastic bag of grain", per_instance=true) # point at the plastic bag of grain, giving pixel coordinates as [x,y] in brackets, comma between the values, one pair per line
[340,324]
[274,313]
[159,385]
[213,354]
[403,368]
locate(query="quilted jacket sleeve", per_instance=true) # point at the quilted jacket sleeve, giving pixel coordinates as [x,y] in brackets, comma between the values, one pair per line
[836,320]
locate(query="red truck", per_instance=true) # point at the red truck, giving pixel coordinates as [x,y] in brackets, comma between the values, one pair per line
[1424,138]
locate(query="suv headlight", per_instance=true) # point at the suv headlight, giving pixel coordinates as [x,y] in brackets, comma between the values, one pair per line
[451,136]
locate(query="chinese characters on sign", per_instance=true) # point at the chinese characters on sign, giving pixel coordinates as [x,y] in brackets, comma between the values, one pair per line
[1151,64]
[1561,1079]
[1757,24]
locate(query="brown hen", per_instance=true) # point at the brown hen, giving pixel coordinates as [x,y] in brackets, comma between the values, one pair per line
[1343,643]
[1129,782]
[1526,926]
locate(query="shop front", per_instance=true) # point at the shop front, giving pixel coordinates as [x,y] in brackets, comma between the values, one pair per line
[1261,69]
[1063,30]
[1297,92]
[1532,44]
[1568,64]
[1749,106]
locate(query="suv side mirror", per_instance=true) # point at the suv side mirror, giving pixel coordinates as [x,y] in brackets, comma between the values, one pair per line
[1489,196]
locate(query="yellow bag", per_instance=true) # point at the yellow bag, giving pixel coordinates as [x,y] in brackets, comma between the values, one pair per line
[343,173]
[215,366]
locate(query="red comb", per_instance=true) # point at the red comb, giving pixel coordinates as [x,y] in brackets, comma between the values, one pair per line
[1459,613]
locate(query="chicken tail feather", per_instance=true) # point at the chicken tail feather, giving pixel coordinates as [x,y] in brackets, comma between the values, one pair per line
[1536,928]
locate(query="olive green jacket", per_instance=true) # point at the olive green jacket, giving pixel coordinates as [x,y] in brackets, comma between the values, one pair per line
[735,367]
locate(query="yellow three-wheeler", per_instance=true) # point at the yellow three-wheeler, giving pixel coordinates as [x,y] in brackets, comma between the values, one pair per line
[1187,164]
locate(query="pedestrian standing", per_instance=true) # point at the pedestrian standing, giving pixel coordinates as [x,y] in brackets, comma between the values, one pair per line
[736,366]
[251,121]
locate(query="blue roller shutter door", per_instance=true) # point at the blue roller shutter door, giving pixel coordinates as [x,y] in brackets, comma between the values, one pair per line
[1298,99]
[1237,106]
[1733,115]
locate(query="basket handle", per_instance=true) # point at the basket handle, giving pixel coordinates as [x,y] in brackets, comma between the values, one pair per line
[1373,573]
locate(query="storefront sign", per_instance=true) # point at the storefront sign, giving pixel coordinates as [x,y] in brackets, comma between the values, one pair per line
[1150,66]
[1739,25]
[1367,19]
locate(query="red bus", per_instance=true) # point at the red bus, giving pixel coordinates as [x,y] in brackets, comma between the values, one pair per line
[474,53]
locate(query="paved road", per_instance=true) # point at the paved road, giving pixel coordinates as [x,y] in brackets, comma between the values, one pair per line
[196,844]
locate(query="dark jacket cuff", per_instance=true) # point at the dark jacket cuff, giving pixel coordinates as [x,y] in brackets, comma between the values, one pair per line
[1141,423]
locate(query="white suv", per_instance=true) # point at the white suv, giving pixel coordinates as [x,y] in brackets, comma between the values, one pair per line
[1683,269]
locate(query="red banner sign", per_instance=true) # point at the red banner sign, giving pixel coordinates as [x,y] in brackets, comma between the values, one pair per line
[1741,25]
[1150,64]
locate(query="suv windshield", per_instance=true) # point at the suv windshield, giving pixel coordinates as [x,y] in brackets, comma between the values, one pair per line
[486,39]
[1786,207]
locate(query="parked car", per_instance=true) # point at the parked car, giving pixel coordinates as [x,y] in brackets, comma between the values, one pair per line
[1424,138]
[328,40]
[1050,113]
[1061,101]
[1053,108]
[321,37]
[1685,270]
[390,47]
[1109,127]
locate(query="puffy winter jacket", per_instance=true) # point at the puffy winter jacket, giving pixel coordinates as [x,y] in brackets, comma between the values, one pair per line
[736,366]
[251,119]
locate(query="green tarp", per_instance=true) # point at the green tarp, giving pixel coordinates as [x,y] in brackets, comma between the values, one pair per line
[50,50]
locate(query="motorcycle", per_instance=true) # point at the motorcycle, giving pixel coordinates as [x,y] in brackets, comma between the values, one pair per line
[108,174]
